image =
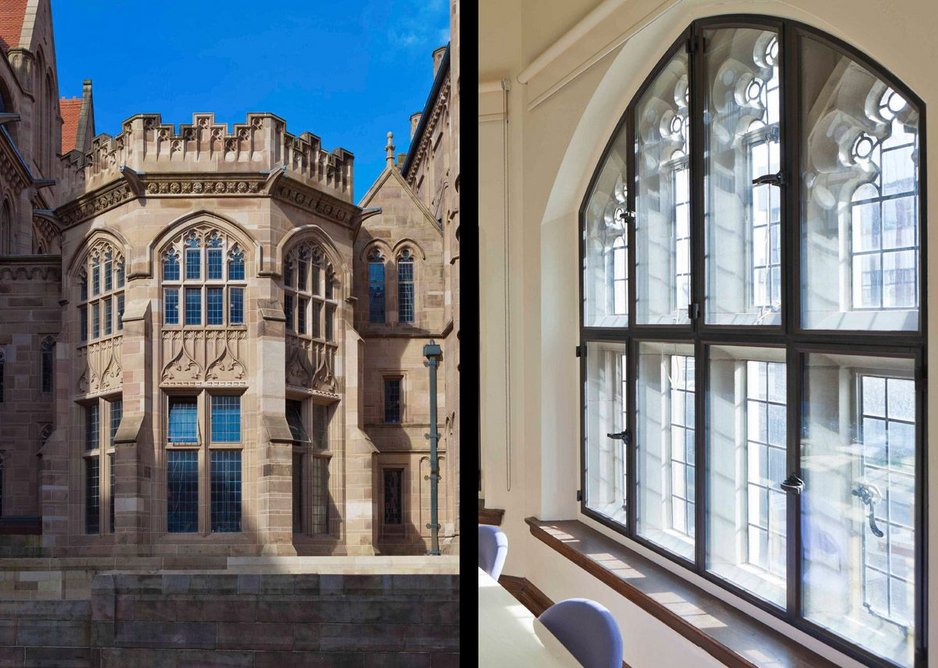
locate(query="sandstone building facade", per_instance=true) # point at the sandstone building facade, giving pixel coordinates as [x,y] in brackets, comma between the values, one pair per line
[197,352]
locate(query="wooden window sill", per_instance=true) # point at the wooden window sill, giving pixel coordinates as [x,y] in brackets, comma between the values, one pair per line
[490,515]
[729,635]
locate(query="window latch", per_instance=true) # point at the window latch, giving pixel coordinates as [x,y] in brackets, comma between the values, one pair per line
[792,484]
[776,180]
[621,436]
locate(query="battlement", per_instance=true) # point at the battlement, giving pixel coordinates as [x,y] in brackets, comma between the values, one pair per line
[146,144]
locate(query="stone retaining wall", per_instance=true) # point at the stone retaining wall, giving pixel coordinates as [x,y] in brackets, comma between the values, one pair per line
[251,620]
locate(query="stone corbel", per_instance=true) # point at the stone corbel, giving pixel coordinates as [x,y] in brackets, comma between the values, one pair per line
[133,180]
[273,176]
[129,430]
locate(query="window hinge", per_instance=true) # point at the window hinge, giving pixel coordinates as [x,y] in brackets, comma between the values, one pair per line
[581,351]
[579,495]
[776,180]
[693,311]
[696,44]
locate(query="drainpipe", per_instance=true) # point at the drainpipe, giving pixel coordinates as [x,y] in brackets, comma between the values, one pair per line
[433,353]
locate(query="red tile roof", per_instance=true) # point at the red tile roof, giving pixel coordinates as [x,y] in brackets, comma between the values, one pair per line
[71,110]
[12,13]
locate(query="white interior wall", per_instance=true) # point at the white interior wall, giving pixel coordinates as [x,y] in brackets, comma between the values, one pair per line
[560,120]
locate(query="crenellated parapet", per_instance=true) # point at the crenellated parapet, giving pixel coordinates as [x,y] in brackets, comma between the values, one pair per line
[261,145]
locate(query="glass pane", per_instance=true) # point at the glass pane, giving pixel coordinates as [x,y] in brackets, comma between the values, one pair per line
[319,515]
[605,265]
[92,495]
[747,518]
[857,459]
[182,491]
[605,424]
[215,306]
[376,292]
[665,463]
[662,196]
[226,419]
[183,422]
[743,221]
[860,217]
[226,490]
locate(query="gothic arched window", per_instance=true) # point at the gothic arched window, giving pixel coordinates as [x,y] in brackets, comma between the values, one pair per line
[196,290]
[727,279]
[405,287]
[101,304]
[309,292]
[376,287]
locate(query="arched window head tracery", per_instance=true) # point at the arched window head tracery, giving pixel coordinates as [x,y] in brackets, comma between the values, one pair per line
[310,299]
[101,278]
[203,279]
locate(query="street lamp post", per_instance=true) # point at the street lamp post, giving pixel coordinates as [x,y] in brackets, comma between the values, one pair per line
[433,353]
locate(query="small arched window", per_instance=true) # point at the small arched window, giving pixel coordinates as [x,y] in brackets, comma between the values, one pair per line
[405,287]
[376,287]
[47,354]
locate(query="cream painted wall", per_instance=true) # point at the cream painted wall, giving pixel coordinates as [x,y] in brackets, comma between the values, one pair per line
[562,109]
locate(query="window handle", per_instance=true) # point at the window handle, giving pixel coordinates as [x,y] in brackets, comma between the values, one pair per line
[870,495]
[792,484]
[769,179]
[621,436]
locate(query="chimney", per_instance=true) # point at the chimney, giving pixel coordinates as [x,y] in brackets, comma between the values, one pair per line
[414,122]
[438,58]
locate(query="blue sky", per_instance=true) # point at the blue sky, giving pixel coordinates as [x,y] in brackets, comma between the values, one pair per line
[348,72]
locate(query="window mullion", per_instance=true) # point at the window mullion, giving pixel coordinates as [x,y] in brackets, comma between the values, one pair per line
[696,106]
[790,217]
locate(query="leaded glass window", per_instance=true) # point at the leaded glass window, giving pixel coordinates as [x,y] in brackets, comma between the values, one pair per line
[226,490]
[392,400]
[92,426]
[105,265]
[183,420]
[393,496]
[182,491]
[405,287]
[308,309]
[376,287]
[47,354]
[226,418]
[319,515]
[92,495]
[204,296]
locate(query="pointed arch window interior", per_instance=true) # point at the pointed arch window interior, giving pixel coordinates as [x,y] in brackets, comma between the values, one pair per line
[47,359]
[757,212]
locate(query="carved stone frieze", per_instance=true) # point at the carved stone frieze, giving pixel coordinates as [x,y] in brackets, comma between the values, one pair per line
[315,201]
[99,365]
[311,365]
[203,186]
[95,203]
[203,356]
